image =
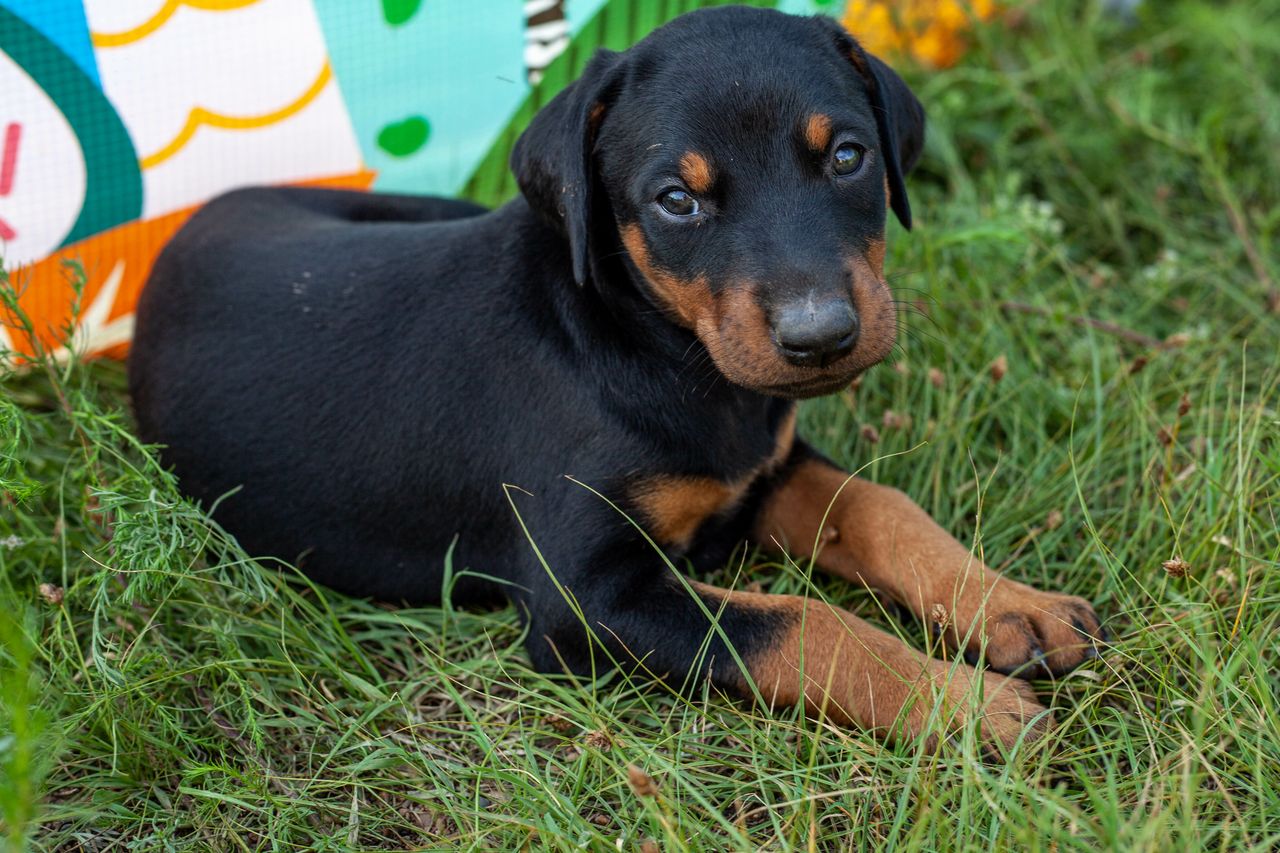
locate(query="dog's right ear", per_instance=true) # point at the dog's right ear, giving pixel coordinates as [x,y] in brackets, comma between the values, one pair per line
[899,114]
[553,158]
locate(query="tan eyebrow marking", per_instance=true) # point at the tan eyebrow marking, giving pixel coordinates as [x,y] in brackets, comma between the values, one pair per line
[696,171]
[817,132]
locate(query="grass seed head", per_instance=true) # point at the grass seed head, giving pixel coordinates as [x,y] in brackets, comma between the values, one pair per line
[936,377]
[1177,567]
[598,739]
[642,784]
[999,367]
[52,593]
[558,723]
[893,420]
[870,434]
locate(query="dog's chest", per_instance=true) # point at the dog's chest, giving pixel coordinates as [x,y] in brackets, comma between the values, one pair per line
[673,507]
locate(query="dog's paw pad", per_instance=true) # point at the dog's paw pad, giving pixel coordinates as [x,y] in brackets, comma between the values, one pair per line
[1047,634]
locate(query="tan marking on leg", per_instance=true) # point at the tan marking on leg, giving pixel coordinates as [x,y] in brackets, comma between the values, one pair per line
[687,300]
[817,133]
[843,669]
[696,171]
[877,536]
[675,507]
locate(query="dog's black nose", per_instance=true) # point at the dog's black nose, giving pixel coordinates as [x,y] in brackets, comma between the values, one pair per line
[812,333]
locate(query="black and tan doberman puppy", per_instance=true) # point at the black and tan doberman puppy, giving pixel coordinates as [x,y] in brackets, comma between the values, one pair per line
[391,383]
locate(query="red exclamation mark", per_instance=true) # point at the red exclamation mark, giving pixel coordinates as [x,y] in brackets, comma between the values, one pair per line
[9,165]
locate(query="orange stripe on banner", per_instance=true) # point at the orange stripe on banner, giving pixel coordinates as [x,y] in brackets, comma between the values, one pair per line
[126,254]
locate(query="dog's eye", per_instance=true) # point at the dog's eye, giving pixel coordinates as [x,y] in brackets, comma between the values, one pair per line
[678,203]
[847,159]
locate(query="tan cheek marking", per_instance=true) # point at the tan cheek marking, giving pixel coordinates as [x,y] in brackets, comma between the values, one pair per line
[688,300]
[817,132]
[873,300]
[875,256]
[696,172]
[737,336]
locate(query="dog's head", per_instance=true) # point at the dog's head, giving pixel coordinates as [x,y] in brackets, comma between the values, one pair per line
[742,163]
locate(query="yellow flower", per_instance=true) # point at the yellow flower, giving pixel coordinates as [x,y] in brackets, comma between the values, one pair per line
[930,31]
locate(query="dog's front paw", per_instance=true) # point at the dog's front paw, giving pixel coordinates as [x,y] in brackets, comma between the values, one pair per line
[1028,632]
[1005,707]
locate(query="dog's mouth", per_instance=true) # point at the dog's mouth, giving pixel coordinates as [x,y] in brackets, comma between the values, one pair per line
[815,386]
[758,366]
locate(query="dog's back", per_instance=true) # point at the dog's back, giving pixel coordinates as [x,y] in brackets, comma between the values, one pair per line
[272,320]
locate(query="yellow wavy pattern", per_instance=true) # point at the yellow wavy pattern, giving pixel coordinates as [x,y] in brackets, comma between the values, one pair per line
[161,17]
[200,116]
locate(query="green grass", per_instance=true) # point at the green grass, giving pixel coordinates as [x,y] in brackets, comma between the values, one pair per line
[183,697]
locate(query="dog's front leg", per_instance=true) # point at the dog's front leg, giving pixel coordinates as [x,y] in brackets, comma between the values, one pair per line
[794,650]
[877,536]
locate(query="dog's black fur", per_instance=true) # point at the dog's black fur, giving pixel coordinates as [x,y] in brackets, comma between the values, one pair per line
[380,384]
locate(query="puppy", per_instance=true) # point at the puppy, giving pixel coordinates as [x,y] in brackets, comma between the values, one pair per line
[548,395]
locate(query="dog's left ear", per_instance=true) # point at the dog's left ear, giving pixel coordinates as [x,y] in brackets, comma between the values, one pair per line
[552,159]
[899,116]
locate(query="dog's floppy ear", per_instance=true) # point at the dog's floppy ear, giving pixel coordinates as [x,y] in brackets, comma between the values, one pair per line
[899,117]
[552,159]
[900,121]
